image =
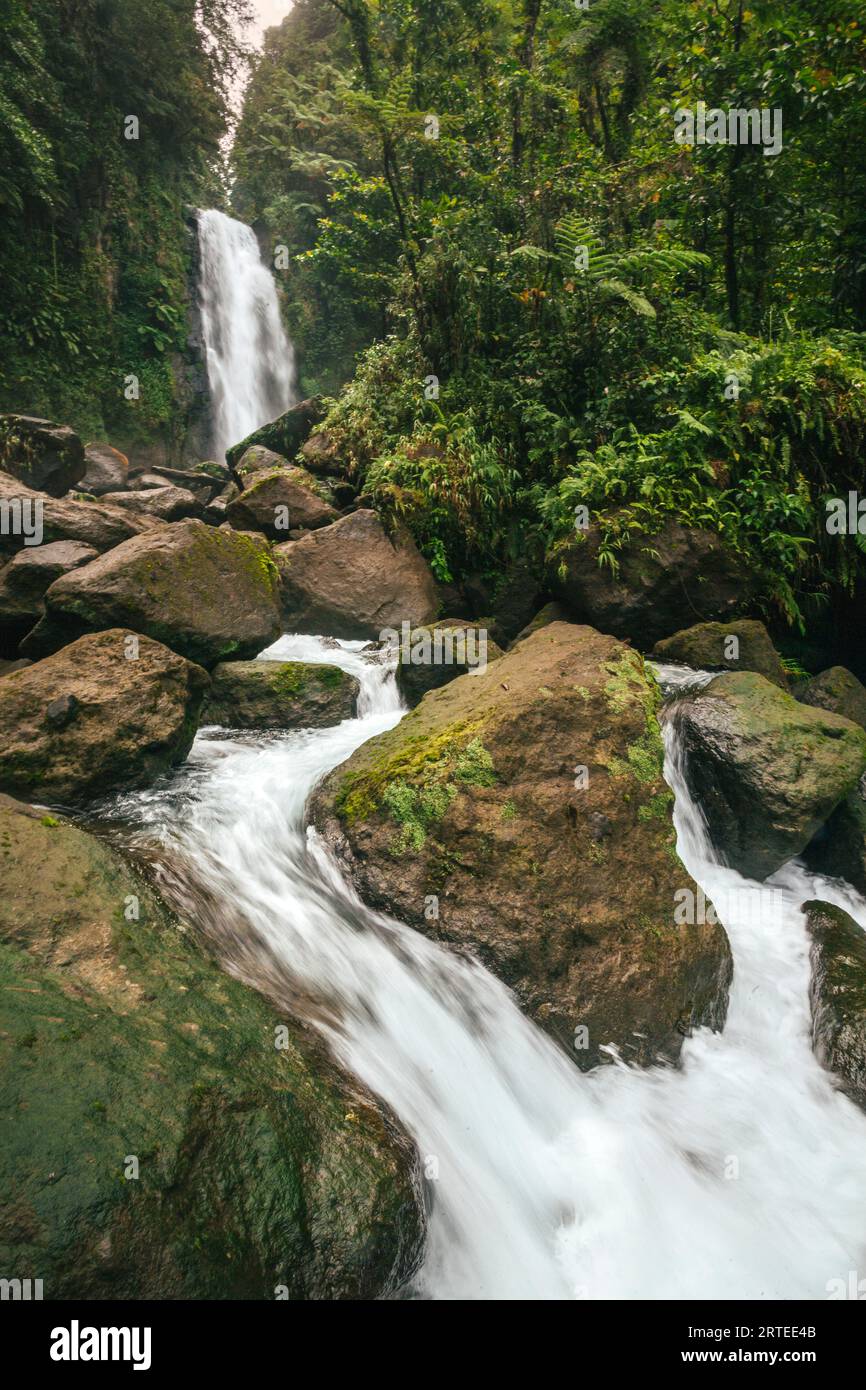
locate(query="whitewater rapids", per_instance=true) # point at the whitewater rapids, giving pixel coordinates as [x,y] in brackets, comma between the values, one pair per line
[739,1174]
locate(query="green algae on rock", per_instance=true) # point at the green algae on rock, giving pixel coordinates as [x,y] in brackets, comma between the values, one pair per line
[743,645]
[768,770]
[529,803]
[157,1144]
[208,594]
[279,695]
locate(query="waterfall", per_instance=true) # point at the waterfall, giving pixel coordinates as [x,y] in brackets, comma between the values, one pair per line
[738,1174]
[249,359]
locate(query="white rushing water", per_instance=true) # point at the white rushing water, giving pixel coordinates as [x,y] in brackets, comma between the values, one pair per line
[249,359]
[738,1174]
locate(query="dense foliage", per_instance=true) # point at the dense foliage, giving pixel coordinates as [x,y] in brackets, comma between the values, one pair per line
[555,292]
[95,251]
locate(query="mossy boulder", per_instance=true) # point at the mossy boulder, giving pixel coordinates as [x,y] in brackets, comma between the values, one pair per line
[432,655]
[743,645]
[208,594]
[280,499]
[156,1143]
[353,580]
[285,435]
[522,814]
[110,712]
[767,770]
[41,454]
[279,695]
[838,690]
[837,994]
[678,571]
[257,459]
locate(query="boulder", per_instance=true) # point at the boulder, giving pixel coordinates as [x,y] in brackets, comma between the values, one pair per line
[431,656]
[110,712]
[280,695]
[157,1145]
[837,995]
[107,470]
[203,481]
[7,667]
[166,503]
[322,455]
[839,847]
[836,690]
[280,498]
[216,510]
[208,594]
[679,571]
[351,580]
[523,815]
[40,454]
[505,602]
[257,459]
[744,645]
[63,519]
[24,581]
[766,770]
[285,435]
[550,613]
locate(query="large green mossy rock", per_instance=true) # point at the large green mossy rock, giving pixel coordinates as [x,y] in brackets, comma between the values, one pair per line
[523,814]
[280,695]
[208,594]
[124,1050]
[277,500]
[837,690]
[838,995]
[767,770]
[744,645]
[285,435]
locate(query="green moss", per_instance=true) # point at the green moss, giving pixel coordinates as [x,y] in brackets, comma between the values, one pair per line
[426,780]
[657,808]
[644,759]
[416,757]
[415,810]
[474,765]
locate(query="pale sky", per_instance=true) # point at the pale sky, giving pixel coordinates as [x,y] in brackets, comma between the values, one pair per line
[267,12]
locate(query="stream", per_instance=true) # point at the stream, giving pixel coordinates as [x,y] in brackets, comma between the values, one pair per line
[737,1174]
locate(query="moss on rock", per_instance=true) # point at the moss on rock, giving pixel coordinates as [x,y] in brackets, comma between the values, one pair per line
[157,1144]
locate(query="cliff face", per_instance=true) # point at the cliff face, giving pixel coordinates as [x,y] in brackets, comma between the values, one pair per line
[115,120]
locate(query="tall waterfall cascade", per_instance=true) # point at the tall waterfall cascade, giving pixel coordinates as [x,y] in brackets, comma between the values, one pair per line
[249,358]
